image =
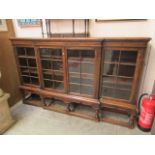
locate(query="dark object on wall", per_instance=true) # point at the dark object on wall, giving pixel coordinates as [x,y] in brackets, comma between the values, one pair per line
[9,81]
[29,23]
[101,74]
[67,27]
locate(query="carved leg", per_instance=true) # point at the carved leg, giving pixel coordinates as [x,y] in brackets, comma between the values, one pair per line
[42,100]
[71,107]
[131,119]
[97,113]
[48,102]
[25,96]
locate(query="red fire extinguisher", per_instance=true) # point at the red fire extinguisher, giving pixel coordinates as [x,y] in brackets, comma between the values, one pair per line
[146,111]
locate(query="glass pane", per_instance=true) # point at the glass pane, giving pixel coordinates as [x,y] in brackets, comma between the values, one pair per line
[75,88]
[110,92]
[50,53]
[112,55]
[74,80]
[128,56]
[24,71]
[27,62]
[110,69]
[122,94]
[86,90]
[31,63]
[108,79]
[47,76]
[87,68]
[58,85]
[56,52]
[23,62]
[117,64]
[52,68]
[109,85]
[34,81]
[46,64]
[57,65]
[81,70]
[58,77]
[32,73]
[125,83]
[125,70]
[48,84]
[87,55]
[74,66]
[73,55]
[87,81]
[26,80]
[86,76]
[21,51]
[30,51]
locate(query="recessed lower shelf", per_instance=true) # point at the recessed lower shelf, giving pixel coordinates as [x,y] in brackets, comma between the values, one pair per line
[34,100]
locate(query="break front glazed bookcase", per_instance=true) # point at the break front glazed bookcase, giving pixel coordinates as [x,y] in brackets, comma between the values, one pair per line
[85,77]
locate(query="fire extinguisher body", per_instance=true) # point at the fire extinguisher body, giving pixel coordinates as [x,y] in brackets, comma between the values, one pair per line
[147,112]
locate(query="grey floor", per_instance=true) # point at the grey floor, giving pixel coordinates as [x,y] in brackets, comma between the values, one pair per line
[37,121]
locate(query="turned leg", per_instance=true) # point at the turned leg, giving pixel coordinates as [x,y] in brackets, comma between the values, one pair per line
[71,107]
[25,95]
[97,113]
[131,119]
[47,102]
[42,100]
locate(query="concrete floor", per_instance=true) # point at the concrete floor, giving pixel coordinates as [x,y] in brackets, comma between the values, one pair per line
[37,121]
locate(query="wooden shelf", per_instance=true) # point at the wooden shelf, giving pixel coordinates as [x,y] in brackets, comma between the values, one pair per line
[117,88]
[91,61]
[30,76]
[82,77]
[51,59]
[120,63]
[114,82]
[29,71]
[82,74]
[53,80]
[81,84]
[29,67]
[116,76]
[51,71]
[26,57]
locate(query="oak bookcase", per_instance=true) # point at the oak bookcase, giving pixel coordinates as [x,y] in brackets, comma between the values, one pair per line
[87,76]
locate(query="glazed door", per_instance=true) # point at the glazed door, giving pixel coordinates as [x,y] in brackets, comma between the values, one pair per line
[52,68]
[118,73]
[27,65]
[81,71]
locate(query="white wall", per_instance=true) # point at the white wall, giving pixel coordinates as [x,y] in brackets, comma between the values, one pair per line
[145,28]
[116,29]
[119,28]
[149,70]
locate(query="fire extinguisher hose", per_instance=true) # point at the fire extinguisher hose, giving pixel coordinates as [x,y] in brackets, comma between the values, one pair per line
[139,103]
